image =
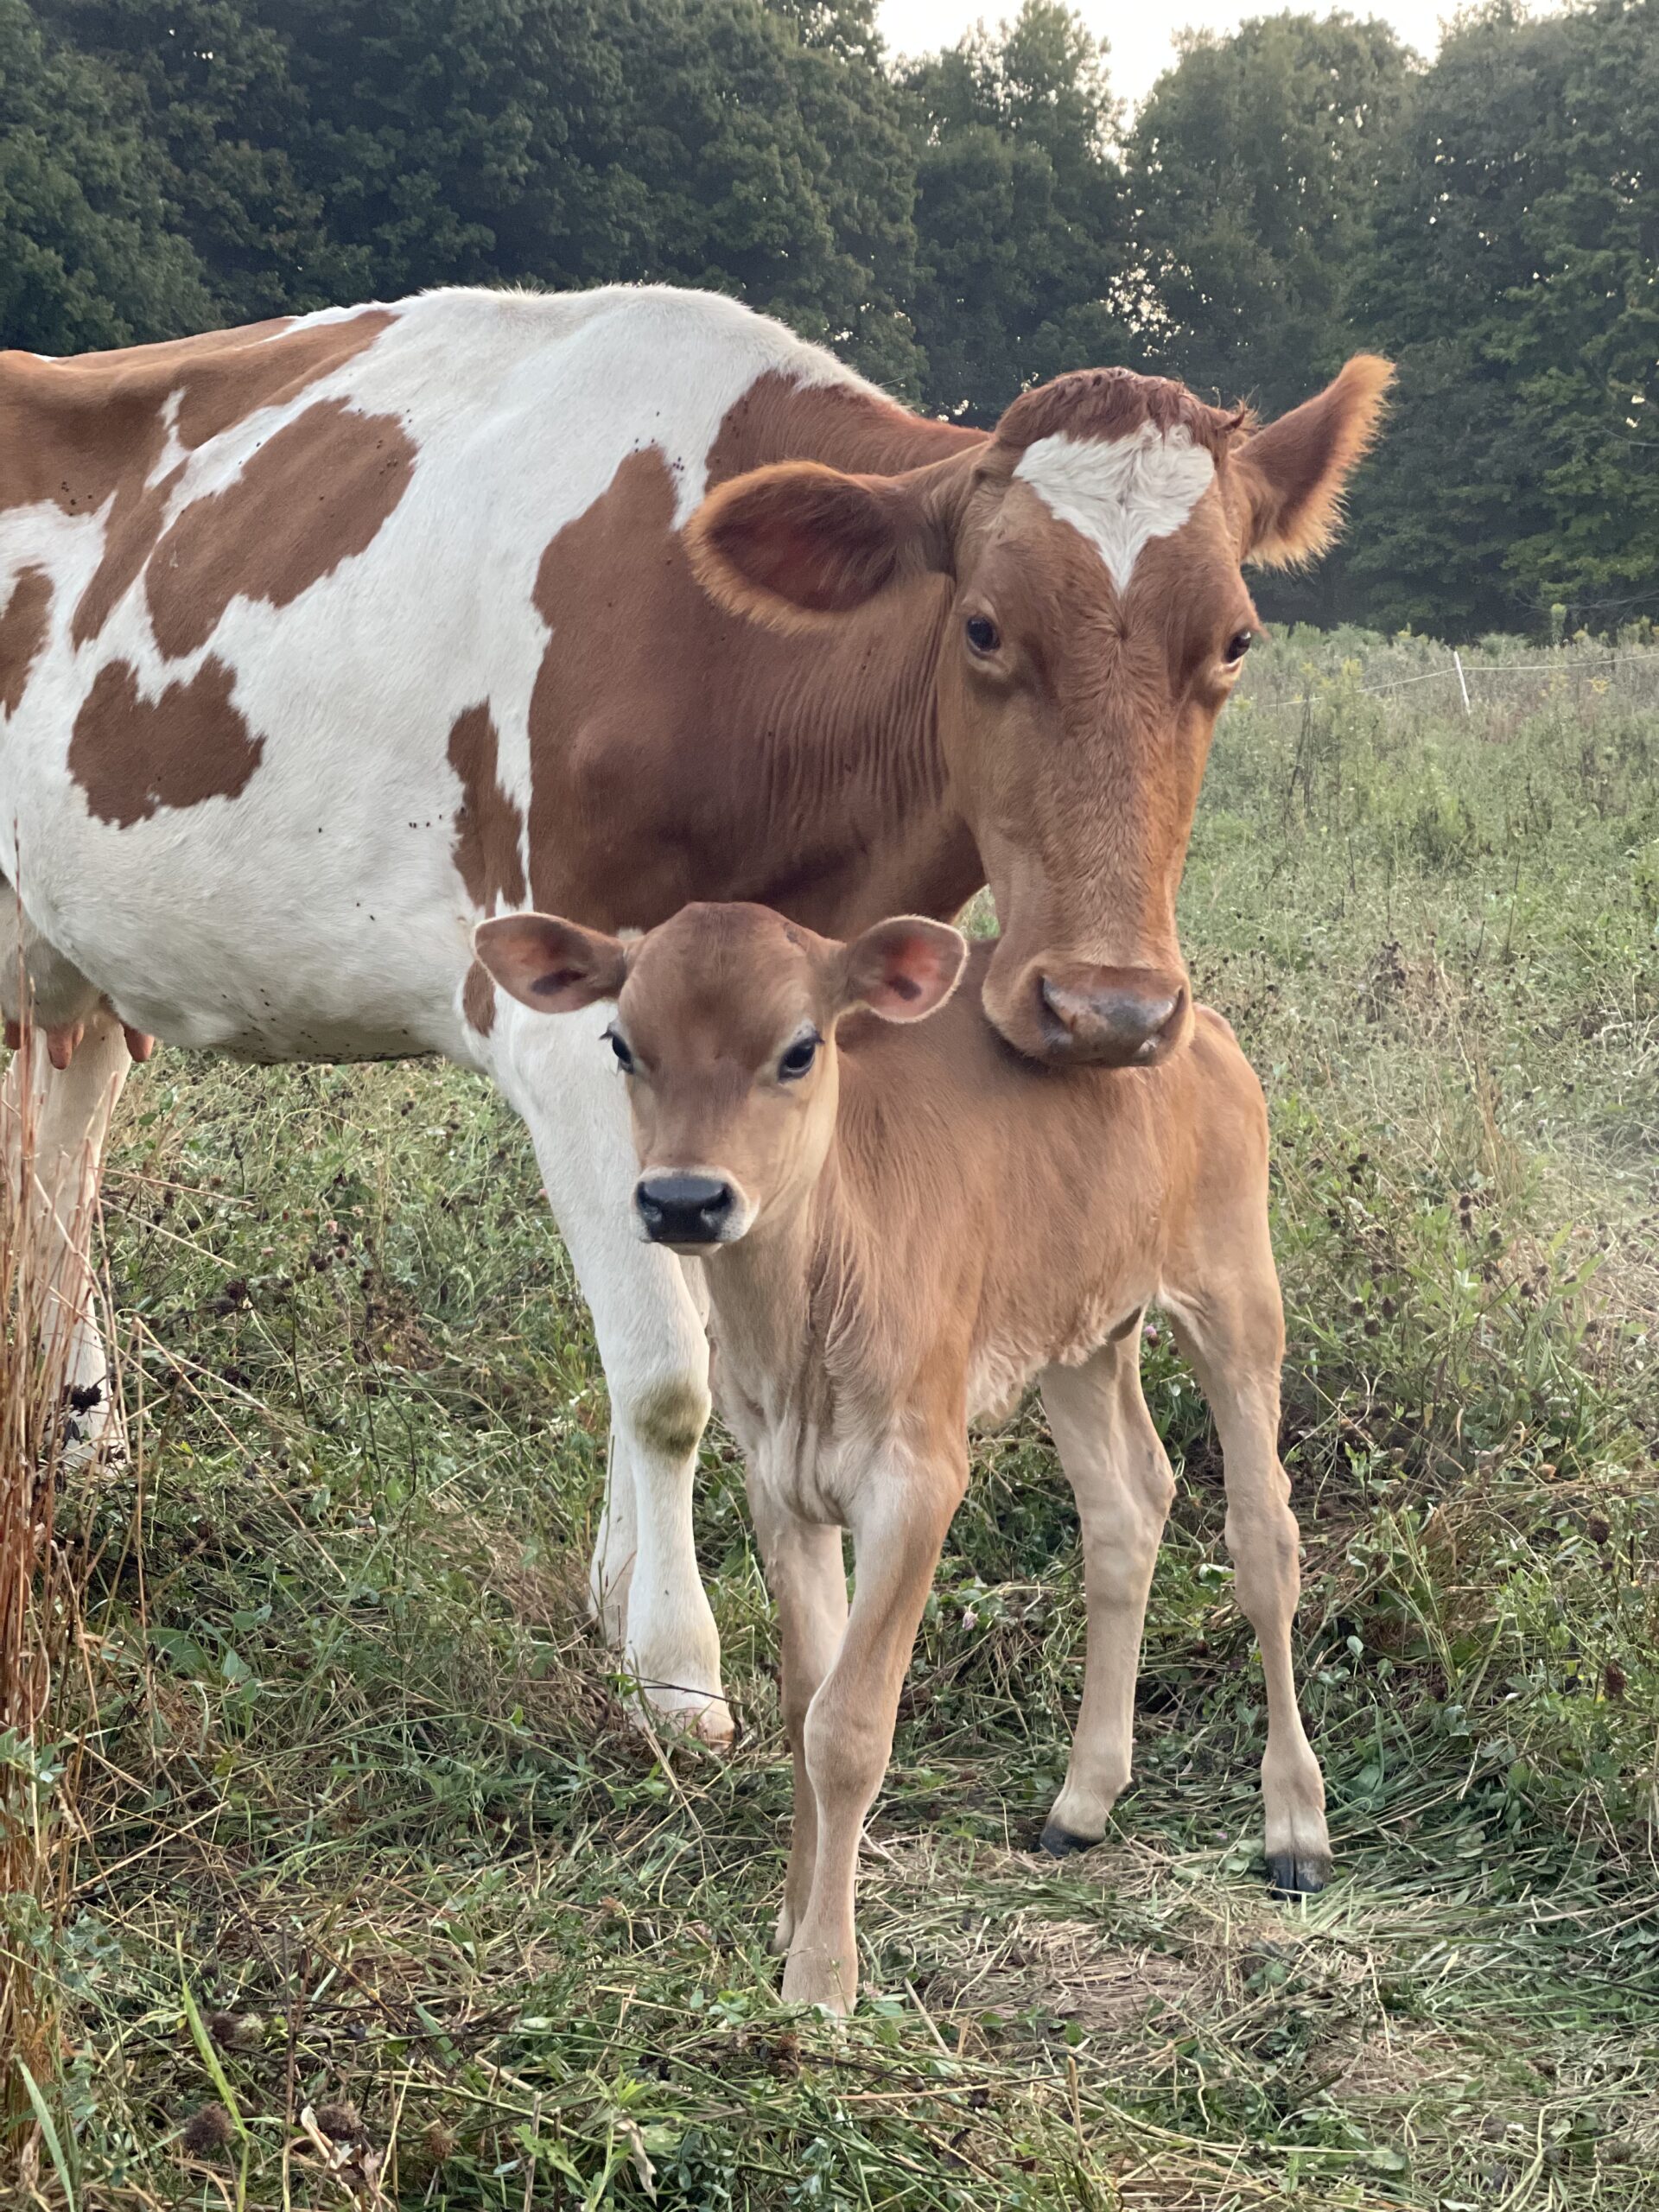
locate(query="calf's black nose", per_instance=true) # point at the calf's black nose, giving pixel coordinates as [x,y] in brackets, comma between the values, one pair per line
[683,1209]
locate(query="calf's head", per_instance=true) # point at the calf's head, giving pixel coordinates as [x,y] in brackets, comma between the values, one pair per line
[1094,626]
[726,1031]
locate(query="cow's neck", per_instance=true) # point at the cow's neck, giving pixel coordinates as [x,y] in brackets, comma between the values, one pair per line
[843,794]
[678,752]
[852,817]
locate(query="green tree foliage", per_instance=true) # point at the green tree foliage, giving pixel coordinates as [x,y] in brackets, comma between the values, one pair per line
[1020,215]
[88,255]
[1255,165]
[957,228]
[1514,269]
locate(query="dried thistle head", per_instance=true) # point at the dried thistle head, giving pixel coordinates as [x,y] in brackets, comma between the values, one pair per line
[209,2129]
[440,2143]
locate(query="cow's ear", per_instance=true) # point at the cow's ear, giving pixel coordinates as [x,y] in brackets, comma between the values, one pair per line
[553,966]
[1293,474]
[904,968]
[797,544]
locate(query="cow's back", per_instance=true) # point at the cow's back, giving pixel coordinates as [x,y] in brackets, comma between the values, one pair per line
[269,635]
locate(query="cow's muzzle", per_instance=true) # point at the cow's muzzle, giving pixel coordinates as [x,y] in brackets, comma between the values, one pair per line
[1110,1017]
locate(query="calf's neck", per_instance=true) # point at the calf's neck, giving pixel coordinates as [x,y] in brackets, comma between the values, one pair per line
[902,1223]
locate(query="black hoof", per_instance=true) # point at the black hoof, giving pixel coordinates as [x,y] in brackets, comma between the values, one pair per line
[1060,1843]
[1291,1877]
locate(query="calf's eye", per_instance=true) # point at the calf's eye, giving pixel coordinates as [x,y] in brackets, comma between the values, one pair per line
[1238,645]
[624,1056]
[797,1060]
[982,634]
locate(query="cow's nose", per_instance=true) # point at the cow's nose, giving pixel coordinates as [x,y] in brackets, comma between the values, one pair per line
[1112,1017]
[683,1209]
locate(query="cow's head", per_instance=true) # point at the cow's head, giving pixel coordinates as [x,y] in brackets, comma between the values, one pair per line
[1097,625]
[725,1027]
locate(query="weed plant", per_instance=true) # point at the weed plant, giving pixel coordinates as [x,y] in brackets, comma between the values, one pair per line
[379,1898]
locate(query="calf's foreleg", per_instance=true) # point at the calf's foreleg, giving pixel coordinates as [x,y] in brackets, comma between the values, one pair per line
[900,1519]
[808,1581]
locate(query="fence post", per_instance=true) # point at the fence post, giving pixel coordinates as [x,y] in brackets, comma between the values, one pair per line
[1457,663]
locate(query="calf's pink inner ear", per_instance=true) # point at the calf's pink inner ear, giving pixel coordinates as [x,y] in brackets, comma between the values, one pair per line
[553,966]
[903,969]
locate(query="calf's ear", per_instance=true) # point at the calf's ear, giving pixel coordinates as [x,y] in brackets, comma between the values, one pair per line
[796,545]
[1293,474]
[552,966]
[905,968]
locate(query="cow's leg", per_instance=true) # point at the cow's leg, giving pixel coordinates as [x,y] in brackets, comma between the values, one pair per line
[1233,1332]
[611,1572]
[899,1515]
[655,1349]
[1120,1475]
[808,1581]
[55,1123]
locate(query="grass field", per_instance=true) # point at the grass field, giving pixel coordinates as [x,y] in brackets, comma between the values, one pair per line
[358,1779]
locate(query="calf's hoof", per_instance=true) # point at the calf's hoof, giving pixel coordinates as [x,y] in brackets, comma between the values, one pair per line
[1060,1843]
[1291,1874]
[814,1977]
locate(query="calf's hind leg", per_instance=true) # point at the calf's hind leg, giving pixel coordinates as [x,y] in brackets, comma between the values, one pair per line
[1232,1329]
[1119,1473]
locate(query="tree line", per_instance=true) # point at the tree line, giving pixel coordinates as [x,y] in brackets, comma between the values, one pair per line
[956,227]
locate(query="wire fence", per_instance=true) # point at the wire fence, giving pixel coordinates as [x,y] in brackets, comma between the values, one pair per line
[1463,672]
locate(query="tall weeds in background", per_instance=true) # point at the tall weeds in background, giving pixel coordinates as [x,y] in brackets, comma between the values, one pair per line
[47,1683]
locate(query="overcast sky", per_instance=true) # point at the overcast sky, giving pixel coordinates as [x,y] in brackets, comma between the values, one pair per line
[1140,35]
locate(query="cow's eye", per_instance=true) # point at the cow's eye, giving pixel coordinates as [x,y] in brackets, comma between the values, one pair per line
[982,634]
[1238,645]
[624,1056]
[797,1060]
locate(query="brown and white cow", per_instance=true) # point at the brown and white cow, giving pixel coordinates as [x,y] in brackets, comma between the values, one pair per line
[900,1228]
[322,640]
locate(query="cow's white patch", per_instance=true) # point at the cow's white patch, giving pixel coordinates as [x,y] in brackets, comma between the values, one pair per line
[1120,493]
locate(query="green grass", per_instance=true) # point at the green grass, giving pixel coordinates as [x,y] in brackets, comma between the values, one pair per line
[361,1780]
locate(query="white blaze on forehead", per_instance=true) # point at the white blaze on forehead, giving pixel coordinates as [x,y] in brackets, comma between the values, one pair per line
[1120,493]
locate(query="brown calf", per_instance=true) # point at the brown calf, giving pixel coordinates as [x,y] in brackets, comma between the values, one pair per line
[901,1227]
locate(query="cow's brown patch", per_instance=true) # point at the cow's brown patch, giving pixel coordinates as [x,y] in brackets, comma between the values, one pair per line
[22,632]
[131,755]
[312,496]
[222,392]
[841,425]
[478,1000]
[81,431]
[488,825]
[678,752]
[135,524]
[1112,404]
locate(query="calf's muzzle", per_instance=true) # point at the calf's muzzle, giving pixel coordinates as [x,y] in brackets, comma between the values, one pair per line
[681,1209]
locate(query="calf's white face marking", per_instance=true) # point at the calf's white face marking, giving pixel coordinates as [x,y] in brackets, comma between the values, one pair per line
[1119,493]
